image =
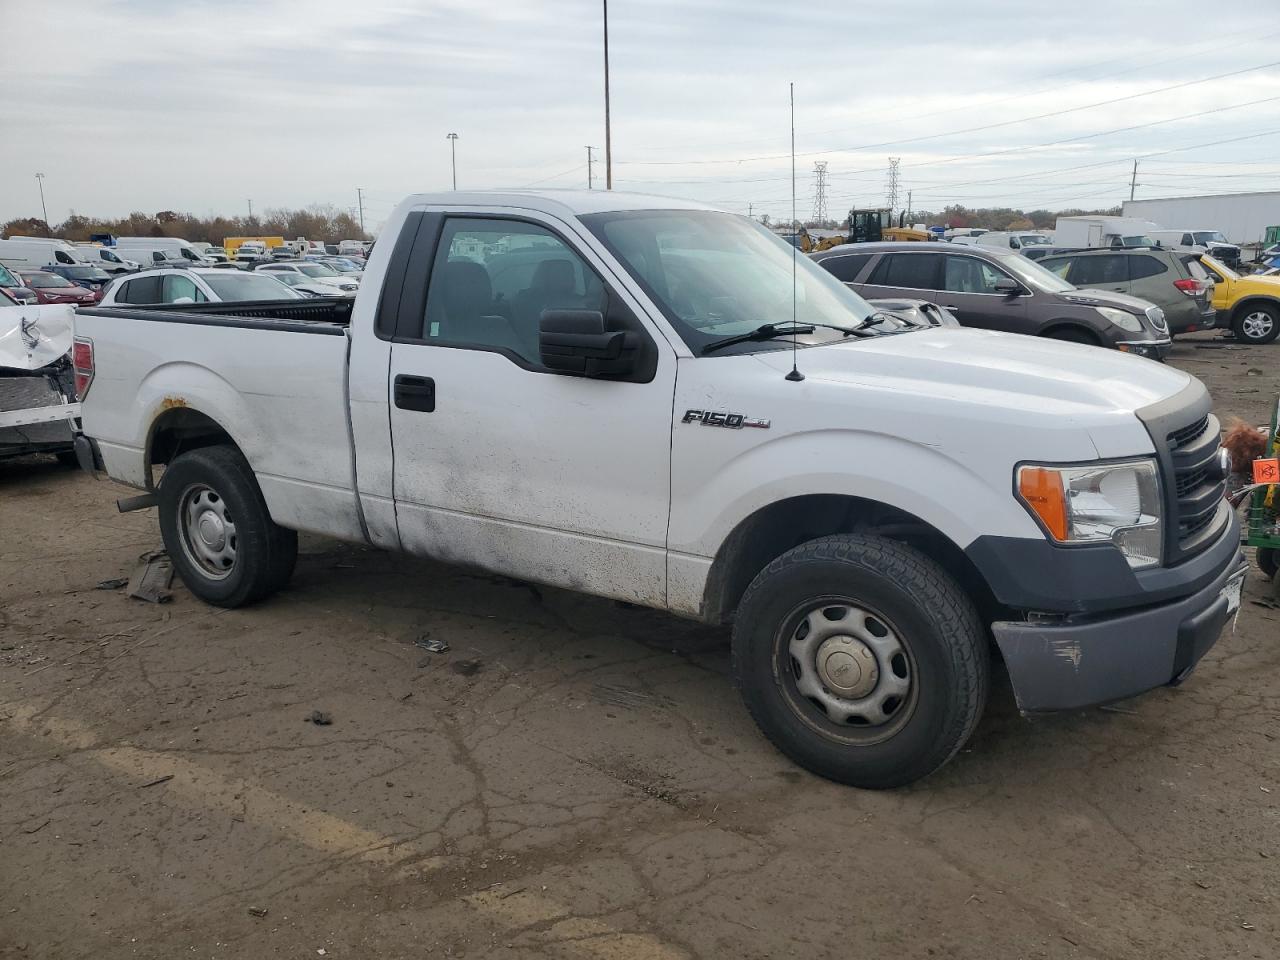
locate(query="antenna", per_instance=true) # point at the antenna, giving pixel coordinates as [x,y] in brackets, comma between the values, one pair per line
[795,375]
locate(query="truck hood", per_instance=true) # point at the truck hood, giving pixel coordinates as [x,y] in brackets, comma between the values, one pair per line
[1007,370]
[33,337]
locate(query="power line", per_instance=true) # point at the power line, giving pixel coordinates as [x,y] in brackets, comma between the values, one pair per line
[978,129]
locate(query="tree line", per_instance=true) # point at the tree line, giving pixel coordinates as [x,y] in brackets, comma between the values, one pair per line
[320,222]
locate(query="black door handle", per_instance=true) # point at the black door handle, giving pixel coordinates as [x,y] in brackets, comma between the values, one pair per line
[415,393]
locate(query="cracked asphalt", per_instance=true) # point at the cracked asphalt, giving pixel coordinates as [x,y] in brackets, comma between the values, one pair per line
[573,778]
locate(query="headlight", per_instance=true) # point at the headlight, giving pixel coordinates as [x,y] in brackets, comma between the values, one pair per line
[1116,502]
[1121,318]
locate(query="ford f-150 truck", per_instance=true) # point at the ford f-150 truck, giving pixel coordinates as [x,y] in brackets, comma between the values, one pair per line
[657,402]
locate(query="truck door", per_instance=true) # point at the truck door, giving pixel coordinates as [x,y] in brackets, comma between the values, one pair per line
[501,462]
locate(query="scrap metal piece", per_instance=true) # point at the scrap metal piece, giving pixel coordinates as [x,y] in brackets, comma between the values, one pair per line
[151,578]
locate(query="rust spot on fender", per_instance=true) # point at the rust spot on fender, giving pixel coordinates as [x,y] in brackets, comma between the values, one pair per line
[172,403]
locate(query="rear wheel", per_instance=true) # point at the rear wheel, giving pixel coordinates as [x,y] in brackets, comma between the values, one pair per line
[861,659]
[218,531]
[1257,324]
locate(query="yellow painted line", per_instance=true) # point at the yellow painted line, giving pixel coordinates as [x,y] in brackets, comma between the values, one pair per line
[235,797]
[580,936]
[200,786]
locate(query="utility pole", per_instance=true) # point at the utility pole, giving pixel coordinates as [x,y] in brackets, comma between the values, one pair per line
[453,157]
[608,134]
[1133,181]
[589,159]
[908,207]
[360,201]
[43,209]
[250,202]
[750,210]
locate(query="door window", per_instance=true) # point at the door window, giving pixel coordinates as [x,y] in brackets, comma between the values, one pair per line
[916,271]
[141,290]
[176,287]
[971,275]
[1098,271]
[1188,240]
[1057,265]
[493,279]
[846,268]
[1142,267]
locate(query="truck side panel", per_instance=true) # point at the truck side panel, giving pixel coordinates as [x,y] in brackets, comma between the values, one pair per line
[279,395]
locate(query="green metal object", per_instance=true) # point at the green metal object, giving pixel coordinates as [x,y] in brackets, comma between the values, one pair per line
[1273,236]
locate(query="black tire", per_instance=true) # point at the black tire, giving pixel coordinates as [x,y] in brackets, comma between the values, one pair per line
[1256,323]
[220,479]
[1074,335]
[67,458]
[1267,561]
[939,629]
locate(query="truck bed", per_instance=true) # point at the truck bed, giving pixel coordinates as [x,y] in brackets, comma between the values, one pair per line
[323,315]
[279,396]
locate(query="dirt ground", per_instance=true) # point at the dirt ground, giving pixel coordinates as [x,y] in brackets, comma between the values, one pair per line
[572,778]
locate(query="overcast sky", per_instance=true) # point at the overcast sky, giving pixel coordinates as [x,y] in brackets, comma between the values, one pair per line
[201,105]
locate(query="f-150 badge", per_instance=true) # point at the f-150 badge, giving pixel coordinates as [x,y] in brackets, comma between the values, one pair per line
[731,421]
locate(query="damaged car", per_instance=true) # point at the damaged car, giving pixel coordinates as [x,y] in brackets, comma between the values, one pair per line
[39,412]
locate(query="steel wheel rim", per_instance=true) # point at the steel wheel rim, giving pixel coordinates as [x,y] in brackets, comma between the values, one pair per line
[1257,325]
[834,642]
[207,531]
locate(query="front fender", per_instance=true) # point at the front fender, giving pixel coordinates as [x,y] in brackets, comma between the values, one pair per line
[914,477]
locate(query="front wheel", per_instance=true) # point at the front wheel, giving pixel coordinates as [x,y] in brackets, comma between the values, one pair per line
[861,659]
[218,531]
[1257,324]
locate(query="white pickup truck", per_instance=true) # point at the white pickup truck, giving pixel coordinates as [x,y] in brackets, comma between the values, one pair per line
[608,393]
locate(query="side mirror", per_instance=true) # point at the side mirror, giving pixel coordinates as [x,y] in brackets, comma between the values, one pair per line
[1008,286]
[576,342]
[1013,242]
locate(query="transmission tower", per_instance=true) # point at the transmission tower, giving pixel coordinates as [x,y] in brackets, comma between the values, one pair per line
[820,191]
[891,185]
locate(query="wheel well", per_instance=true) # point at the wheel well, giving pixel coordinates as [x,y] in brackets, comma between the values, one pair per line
[773,530]
[1249,303]
[178,430]
[1053,331]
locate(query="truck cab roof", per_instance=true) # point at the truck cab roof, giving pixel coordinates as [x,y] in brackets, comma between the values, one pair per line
[561,202]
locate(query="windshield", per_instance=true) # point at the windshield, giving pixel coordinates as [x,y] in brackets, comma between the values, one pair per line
[317,270]
[716,275]
[1033,239]
[7,279]
[1203,237]
[1033,274]
[86,273]
[232,285]
[42,281]
[1140,240]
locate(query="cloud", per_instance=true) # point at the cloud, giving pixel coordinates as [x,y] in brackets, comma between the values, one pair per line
[140,104]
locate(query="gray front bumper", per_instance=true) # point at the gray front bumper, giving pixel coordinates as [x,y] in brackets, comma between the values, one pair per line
[1066,665]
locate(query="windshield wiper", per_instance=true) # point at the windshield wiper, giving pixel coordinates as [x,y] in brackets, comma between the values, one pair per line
[768,331]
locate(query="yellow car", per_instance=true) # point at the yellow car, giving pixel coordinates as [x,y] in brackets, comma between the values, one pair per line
[1249,305]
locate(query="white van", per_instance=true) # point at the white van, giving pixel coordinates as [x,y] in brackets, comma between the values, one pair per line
[130,245]
[1014,239]
[107,258]
[352,248]
[36,253]
[1211,242]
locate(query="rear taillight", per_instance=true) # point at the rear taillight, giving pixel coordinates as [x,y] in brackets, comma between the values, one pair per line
[82,361]
[1192,288]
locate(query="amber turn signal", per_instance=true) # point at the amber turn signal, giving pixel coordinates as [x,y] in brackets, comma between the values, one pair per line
[1041,490]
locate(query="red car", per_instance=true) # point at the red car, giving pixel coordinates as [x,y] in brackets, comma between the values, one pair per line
[51,288]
